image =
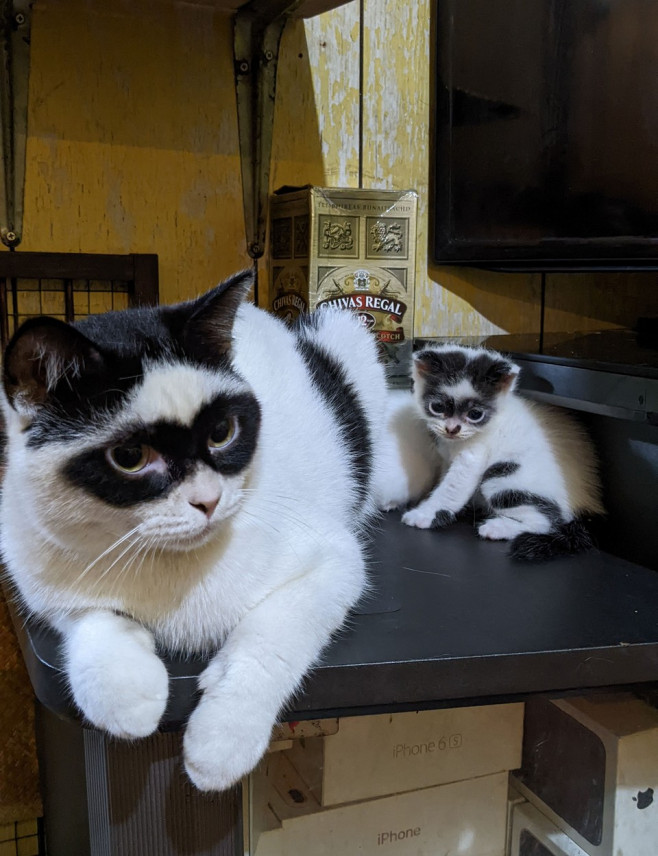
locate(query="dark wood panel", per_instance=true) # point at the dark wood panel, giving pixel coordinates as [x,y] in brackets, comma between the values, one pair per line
[73,265]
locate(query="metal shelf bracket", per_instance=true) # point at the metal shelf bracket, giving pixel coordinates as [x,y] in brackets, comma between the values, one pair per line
[15,21]
[256,38]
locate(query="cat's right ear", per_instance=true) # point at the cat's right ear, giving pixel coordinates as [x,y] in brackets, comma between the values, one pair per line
[42,353]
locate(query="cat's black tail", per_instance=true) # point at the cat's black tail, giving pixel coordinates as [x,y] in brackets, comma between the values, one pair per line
[566,539]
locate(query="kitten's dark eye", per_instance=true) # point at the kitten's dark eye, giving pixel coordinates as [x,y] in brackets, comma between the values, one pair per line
[475,414]
[223,433]
[435,408]
[129,459]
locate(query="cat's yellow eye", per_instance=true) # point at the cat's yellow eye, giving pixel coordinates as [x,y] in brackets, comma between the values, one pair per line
[223,433]
[131,458]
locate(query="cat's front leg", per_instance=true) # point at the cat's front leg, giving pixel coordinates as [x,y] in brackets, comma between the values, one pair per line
[117,679]
[263,662]
[451,494]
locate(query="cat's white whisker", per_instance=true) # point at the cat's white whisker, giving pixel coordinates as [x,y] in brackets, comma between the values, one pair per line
[108,550]
[106,571]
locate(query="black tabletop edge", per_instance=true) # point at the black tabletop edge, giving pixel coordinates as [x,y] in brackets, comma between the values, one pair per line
[459,623]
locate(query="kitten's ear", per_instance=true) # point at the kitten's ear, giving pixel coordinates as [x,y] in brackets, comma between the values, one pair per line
[209,327]
[503,375]
[42,353]
[440,364]
[422,363]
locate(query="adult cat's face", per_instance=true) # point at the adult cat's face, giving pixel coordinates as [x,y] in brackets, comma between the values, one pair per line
[459,390]
[132,426]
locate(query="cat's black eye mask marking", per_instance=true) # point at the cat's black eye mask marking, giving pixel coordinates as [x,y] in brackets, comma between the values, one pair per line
[114,473]
[471,409]
[475,411]
[439,405]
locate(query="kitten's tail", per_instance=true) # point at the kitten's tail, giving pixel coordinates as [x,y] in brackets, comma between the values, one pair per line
[566,539]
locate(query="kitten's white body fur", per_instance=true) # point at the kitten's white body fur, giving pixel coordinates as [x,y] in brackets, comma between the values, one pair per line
[519,431]
[270,584]
[554,457]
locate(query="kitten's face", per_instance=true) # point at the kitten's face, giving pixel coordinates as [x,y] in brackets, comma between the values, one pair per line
[148,440]
[460,389]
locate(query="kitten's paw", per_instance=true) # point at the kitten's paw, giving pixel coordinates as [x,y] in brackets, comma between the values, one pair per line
[443,518]
[419,517]
[223,743]
[498,529]
[428,518]
[122,688]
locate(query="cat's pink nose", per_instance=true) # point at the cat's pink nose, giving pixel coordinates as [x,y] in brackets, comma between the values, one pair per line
[452,432]
[207,506]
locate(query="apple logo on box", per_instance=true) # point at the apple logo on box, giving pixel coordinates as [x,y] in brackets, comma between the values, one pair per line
[644,798]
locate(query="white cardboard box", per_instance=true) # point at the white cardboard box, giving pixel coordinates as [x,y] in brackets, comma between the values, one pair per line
[532,834]
[373,756]
[466,818]
[590,764]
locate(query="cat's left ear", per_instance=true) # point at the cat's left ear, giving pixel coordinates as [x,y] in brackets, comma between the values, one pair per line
[503,375]
[42,354]
[208,328]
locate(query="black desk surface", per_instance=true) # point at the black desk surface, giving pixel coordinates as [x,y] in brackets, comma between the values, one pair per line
[452,620]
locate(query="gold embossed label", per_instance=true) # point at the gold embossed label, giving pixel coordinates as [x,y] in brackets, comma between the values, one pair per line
[376,294]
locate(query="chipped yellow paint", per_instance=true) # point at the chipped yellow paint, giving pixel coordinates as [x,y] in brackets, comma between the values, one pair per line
[316,127]
[133,142]
[316,120]
[133,147]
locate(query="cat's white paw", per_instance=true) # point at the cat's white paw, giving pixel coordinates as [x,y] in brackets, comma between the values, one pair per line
[223,743]
[498,529]
[121,688]
[419,517]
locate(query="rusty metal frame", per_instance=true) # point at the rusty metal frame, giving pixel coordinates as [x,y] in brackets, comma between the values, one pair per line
[15,22]
[258,26]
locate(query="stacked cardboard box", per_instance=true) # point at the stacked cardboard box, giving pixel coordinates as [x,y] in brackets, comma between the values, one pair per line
[590,766]
[401,784]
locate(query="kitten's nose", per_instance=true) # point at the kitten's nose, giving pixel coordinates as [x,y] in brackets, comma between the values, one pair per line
[452,432]
[207,506]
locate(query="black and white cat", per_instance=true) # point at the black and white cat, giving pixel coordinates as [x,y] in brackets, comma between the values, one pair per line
[197,477]
[531,466]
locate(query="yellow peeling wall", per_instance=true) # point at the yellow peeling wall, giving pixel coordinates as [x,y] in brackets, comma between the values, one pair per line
[133,146]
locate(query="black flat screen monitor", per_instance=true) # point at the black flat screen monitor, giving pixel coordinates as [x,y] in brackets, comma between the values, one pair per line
[545,133]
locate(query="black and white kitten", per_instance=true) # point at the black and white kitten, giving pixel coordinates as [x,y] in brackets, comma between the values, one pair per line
[531,466]
[197,477]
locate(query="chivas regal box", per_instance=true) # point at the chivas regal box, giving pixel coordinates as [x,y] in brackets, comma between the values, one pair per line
[353,249]
[590,764]
[533,834]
